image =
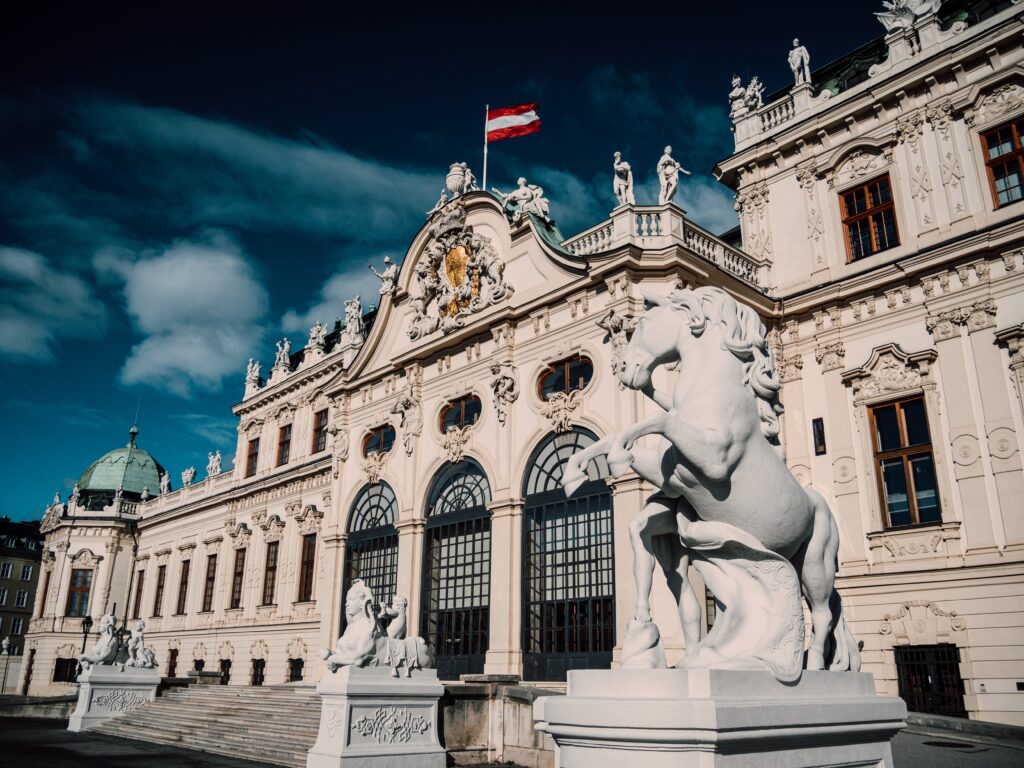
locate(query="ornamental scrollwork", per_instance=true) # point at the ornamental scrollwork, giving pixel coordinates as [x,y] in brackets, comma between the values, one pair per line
[391,725]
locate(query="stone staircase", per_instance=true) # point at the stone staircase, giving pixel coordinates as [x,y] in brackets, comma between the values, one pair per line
[271,724]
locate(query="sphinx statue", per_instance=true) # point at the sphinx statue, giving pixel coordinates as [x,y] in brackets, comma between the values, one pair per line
[365,644]
[104,652]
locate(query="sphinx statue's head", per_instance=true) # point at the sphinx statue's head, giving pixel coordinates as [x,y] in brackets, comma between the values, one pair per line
[358,601]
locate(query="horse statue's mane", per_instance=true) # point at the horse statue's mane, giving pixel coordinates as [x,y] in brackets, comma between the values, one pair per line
[745,337]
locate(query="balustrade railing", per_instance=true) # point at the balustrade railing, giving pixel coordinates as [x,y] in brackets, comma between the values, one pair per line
[775,114]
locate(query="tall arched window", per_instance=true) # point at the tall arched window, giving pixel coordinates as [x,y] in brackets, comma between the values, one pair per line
[457,569]
[568,564]
[371,552]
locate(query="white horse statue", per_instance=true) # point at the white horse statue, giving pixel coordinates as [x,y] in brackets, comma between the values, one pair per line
[726,500]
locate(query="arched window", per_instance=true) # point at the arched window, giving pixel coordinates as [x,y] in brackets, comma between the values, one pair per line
[569,566]
[379,440]
[456,580]
[371,552]
[565,376]
[460,413]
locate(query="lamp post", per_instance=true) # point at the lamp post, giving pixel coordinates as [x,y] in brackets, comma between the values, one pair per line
[86,626]
[7,649]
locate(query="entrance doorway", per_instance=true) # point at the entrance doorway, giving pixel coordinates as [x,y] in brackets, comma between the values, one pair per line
[929,679]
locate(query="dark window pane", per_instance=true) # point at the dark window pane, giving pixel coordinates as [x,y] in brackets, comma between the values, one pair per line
[894,481]
[923,471]
[887,428]
[1000,142]
[1008,182]
[917,424]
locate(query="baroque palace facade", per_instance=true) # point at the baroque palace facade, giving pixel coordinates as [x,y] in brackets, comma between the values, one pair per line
[881,236]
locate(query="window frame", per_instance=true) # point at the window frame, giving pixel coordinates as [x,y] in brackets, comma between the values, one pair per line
[183,577]
[21,599]
[374,431]
[139,584]
[158,595]
[904,452]
[565,362]
[270,563]
[210,582]
[284,444]
[238,579]
[1015,125]
[846,219]
[307,568]
[6,569]
[319,441]
[81,610]
[26,569]
[460,403]
[3,596]
[252,457]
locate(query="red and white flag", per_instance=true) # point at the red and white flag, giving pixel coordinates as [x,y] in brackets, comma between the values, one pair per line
[508,122]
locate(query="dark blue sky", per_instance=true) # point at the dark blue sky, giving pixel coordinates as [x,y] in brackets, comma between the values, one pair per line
[181,186]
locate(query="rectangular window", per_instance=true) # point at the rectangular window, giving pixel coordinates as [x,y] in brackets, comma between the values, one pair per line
[320,431]
[158,598]
[26,573]
[46,591]
[17,626]
[3,595]
[65,670]
[284,444]
[78,593]
[904,462]
[211,581]
[295,667]
[5,570]
[1004,162]
[183,586]
[238,579]
[818,431]
[21,601]
[306,569]
[869,219]
[270,574]
[140,581]
[251,457]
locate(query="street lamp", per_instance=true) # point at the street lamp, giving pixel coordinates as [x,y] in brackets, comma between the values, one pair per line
[86,626]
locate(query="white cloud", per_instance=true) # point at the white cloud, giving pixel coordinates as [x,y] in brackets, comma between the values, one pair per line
[40,305]
[329,305]
[200,307]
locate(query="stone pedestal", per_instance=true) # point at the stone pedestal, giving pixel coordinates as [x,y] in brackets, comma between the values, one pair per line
[107,691]
[719,719]
[369,719]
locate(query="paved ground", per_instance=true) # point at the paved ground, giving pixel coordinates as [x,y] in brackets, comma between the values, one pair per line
[48,743]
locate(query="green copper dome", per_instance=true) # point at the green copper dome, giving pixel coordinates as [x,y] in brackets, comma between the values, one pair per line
[130,468]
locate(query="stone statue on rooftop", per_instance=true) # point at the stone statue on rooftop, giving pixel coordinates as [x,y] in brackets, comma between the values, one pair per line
[754,95]
[623,184]
[213,464]
[724,498]
[668,176]
[388,277]
[165,483]
[901,14]
[188,476]
[523,200]
[460,180]
[354,327]
[283,357]
[737,99]
[252,372]
[317,334]
[800,63]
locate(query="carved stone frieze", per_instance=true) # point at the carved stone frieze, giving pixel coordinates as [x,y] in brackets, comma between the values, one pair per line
[309,519]
[373,466]
[976,316]
[454,442]
[1003,100]
[505,388]
[830,357]
[391,725]
[790,368]
[921,622]
[84,558]
[559,409]
[889,370]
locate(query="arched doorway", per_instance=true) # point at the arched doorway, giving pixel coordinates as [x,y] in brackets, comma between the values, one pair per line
[371,552]
[456,597]
[568,564]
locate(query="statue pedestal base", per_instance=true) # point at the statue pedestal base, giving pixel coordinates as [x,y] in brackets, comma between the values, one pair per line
[108,691]
[369,719]
[703,718]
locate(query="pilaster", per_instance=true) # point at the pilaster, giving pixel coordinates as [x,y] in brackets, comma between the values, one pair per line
[504,651]
[410,556]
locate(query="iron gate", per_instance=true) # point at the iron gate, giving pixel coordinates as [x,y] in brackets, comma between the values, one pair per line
[929,679]
[371,552]
[568,565]
[456,581]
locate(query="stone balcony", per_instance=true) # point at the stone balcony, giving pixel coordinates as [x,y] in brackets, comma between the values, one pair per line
[653,227]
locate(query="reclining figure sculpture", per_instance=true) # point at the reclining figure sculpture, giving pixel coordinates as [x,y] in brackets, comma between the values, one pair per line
[365,644]
[724,498]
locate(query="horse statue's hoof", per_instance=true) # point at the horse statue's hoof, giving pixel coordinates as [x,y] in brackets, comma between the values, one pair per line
[642,647]
[619,462]
[572,478]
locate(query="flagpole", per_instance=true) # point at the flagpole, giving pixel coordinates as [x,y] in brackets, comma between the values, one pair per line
[487,112]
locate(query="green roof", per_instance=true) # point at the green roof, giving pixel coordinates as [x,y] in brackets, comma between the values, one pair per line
[129,468]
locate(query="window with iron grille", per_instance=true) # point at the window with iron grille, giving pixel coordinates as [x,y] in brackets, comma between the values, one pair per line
[211,582]
[284,444]
[78,592]
[565,376]
[460,413]
[1004,162]
[140,580]
[270,574]
[371,551]
[306,570]
[65,670]
[238,578]
[456,579]
[183,587]
[568,563]
[295,668]
[225,671]
[379,440]
[252,457]
[869,218]
[259,668]
[158,598]
[904,463]
[929,679]
[320,431]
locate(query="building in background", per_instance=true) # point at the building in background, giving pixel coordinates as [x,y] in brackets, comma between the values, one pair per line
[881,210]
[21,549]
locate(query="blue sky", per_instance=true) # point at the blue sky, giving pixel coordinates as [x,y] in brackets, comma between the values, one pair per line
[179,187]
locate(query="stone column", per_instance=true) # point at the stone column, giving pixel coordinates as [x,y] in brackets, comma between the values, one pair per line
[410,559]
[1013,339]
[504,651]
[328,597]
[968,467]
[849,511]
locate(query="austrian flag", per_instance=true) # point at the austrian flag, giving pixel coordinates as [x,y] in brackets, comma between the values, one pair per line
[508,122]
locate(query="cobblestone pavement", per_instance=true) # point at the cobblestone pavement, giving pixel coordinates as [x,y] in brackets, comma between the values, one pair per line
[47,742]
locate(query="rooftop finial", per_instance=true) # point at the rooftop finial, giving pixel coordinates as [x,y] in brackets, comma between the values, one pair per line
[132,434]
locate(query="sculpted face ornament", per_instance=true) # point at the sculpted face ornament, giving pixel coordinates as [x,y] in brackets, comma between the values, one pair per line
[725,499]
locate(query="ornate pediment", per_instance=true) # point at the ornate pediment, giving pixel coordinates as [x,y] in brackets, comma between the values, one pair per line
[459,273]
[84,558]
[862,162]
[309,519]
[890,370]
[1001,102]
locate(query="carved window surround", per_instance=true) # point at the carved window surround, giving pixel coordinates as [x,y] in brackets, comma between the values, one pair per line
[920,622]
[936,545]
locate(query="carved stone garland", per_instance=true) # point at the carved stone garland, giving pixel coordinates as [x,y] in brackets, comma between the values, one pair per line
[459,273]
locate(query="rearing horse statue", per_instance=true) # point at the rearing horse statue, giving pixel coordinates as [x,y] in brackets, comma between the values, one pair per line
[725,499]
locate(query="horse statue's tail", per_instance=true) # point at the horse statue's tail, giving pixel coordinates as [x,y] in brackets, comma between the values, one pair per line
[845,651]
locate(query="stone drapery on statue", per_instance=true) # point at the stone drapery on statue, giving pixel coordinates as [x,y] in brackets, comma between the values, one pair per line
[724,498]
[366,644]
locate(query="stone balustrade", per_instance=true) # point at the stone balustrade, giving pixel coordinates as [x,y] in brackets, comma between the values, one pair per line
[777,113]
